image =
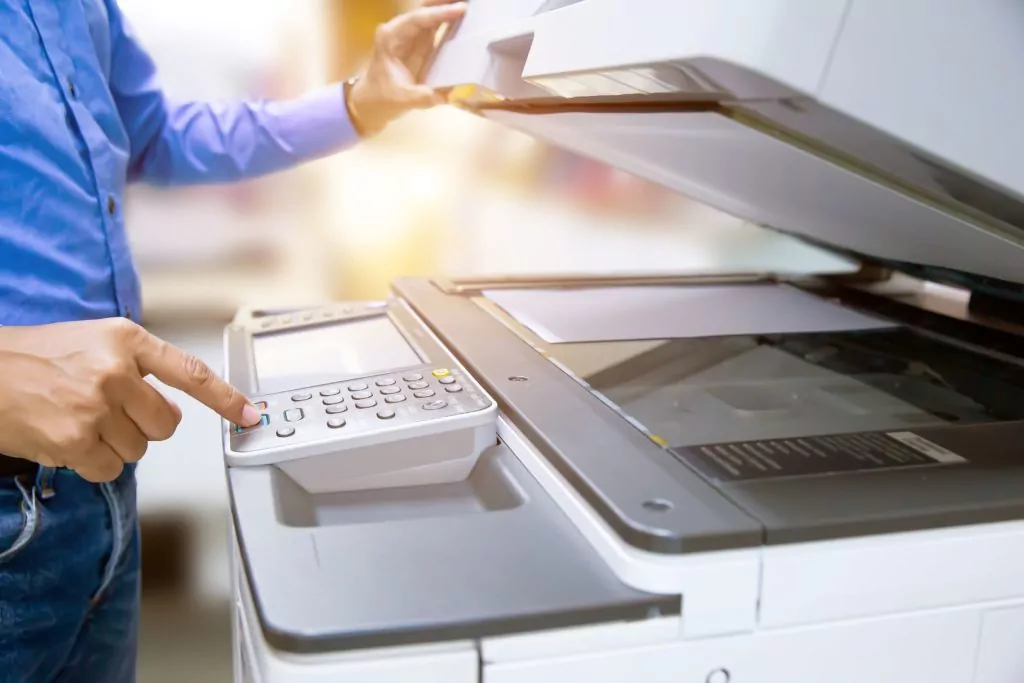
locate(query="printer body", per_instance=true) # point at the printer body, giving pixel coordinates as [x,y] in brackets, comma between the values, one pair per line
[720,478]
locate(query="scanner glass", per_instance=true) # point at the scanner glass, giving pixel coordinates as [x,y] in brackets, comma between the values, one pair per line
[331,352]
[704,391]
[710,390]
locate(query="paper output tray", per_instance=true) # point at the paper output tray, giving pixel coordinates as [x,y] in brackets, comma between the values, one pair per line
[488,556]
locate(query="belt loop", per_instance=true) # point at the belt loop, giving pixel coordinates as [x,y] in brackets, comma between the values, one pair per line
[44,482]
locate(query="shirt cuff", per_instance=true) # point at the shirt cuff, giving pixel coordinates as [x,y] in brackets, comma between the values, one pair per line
[317,124]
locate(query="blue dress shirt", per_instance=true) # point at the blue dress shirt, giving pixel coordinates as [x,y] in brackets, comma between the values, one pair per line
[81,115]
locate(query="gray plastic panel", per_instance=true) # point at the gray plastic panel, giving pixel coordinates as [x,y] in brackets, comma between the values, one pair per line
[613,465]
[488,556]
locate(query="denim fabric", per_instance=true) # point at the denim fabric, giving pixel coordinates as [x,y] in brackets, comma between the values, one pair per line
[69,579]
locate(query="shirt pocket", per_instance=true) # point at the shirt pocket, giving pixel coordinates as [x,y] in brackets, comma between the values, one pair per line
[19,517]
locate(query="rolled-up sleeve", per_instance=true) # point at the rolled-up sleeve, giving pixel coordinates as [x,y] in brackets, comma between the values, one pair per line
[201,142]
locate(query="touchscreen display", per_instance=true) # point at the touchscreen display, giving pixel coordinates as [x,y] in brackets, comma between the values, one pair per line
[329,353]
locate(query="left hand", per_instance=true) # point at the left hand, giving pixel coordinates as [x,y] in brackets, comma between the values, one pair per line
[387,88]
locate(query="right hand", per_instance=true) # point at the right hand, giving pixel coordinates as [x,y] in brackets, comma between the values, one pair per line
[74,395]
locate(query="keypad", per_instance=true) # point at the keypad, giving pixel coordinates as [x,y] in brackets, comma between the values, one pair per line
[359,406]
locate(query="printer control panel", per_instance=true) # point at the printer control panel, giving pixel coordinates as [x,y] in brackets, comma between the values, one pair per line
[365,405]
[354,395]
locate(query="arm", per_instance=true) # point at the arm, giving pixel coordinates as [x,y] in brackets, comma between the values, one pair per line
[181,143]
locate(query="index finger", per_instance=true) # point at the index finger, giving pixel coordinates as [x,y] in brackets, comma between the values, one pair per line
[409,26]
[185,372]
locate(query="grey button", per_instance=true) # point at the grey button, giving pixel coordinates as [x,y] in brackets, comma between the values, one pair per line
[447,380]
[72,89]
[369,403]
[356,387]
[386,382]
[334,410]
[111,205]
[387,391]
[395,399]
[435,405]
[426,393]
[293,415]
[302,397]
[453,389]
[285,431]
[266,323]
[362,394]
[336,422]
[414,377]
[385,414]
[330,391]
[307,316]
[328,314]
[418,385]
[334,400]
[286,319]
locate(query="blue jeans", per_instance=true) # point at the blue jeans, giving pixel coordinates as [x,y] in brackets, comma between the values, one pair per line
[69,579]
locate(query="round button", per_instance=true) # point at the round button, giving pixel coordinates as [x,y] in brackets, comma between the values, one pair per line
[418,385]
[453,389]
[441,372]
[370,403]
[334,410]
[307,316]
[266,324]
[398,398]
[385,414]
[435,405]
[414,377]
[328,314]
[718,676]
[331,391]
[426,393]
[333,400]
[286,319]
[285,431]
[336,422]
[357,387]
[359,395]
[386,382]
[447,380]
[387,391]
[302,397]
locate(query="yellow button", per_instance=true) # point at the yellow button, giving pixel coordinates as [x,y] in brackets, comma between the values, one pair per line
[442,372]
[659,440]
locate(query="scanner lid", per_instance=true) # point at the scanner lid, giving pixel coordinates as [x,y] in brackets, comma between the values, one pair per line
[886,131]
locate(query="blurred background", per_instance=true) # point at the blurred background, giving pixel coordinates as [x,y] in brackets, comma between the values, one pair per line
[441,192]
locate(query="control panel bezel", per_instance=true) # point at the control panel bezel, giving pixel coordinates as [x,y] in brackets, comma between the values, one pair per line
[342,397]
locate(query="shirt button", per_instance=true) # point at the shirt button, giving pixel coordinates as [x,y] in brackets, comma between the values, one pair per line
[72,89]
[111,205]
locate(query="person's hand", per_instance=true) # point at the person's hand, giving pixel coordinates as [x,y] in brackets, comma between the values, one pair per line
[387,87]
[74,395]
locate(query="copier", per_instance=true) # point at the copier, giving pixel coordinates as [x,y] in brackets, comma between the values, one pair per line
[742,478]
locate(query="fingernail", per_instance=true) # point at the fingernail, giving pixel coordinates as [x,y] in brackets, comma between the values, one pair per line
[250,415]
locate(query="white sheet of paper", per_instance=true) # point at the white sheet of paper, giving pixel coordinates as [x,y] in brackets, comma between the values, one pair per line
[675,312]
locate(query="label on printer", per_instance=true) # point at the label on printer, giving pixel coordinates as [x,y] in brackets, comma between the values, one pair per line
[804,456]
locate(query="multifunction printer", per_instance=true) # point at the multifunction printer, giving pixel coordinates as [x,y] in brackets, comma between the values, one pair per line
[720,478]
